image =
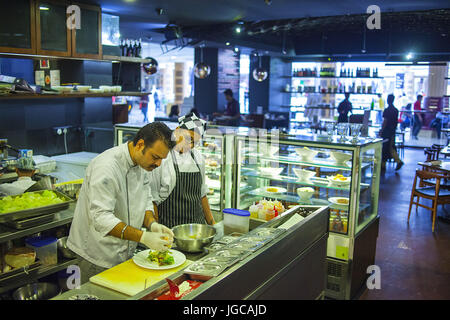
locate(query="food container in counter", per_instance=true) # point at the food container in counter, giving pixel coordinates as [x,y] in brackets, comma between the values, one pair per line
[227,261]
[204,271]
[215,246]
[235,220]
[46,249]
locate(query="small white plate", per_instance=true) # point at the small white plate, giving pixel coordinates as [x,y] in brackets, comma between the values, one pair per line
[279,190]
[141,259]
[334,200]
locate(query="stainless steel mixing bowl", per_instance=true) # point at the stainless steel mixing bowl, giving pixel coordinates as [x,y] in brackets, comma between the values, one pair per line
[193,237]
[36,291]
[62,247]
[72,190]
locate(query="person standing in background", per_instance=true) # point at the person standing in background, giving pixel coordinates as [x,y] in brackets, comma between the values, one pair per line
[418,118]
[344,108]
[174,112]
[232,111]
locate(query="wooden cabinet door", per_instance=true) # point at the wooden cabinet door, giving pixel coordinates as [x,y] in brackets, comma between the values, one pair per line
[52,35]
[17,26]
[87,41]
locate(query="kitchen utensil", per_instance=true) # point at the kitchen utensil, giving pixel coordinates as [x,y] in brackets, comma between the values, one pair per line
[141,259]
[62,247]
[193,237]
[36,291]
[72,190]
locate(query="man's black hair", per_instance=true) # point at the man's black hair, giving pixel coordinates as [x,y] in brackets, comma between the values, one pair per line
[153,132]
[228,92]
[419,97]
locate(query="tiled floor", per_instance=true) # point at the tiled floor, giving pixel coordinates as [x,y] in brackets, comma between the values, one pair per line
[414,262]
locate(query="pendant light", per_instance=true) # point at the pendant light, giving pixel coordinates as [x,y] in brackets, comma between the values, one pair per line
[201,69]
[150,67]
[259,73]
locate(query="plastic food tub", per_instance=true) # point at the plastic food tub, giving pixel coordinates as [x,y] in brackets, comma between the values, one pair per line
[46,249]
[235,220]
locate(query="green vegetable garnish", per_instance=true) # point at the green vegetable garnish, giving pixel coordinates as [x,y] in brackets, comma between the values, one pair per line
[163,258]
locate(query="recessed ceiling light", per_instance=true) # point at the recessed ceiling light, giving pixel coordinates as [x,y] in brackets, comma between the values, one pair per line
[227,43]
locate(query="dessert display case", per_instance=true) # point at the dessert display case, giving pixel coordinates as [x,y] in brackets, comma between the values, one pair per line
[309,170]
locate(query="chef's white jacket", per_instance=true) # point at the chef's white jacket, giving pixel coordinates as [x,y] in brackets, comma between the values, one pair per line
[114,190]
[163,178]
[17,187]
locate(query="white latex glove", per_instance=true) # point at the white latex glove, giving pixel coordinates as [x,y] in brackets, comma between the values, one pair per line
[156,241]
[156,227]
[219,230]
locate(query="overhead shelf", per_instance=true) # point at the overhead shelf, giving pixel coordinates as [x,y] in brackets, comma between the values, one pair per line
[70,95]
[352,93]
[126,59]
[106,58]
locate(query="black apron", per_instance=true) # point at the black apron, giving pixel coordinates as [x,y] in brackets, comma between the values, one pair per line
[184,204]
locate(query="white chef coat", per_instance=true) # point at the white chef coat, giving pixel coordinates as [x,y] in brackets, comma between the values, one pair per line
[163,179]
[104,201]
[17,187]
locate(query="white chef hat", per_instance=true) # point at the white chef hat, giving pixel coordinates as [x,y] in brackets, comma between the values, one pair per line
[192,122]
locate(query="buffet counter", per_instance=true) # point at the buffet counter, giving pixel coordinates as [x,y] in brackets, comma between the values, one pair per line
[289,266]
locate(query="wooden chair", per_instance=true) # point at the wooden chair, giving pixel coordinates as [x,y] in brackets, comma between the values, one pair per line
[436,194]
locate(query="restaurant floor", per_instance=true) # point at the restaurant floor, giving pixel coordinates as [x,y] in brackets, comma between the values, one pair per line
[414,262]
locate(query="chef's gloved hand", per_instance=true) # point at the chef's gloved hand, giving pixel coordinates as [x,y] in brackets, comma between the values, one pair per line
[156,227]
[156,241]
[219,230]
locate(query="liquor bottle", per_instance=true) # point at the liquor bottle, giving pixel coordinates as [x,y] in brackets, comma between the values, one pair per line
[139,49]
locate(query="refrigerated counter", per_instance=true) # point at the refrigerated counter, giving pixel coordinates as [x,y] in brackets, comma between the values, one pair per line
[290,266]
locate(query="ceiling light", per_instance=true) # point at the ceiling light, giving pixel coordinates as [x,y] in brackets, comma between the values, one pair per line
[236,49]
[409,56]
[44,8]
[227,43]
[238,29]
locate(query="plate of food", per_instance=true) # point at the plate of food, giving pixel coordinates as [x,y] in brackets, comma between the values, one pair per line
[159,260]
[339,180]
[341,201]
[274,190]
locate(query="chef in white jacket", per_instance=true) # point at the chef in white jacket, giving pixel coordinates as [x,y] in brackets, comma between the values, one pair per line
[115,203]
[178,186]
[25,170]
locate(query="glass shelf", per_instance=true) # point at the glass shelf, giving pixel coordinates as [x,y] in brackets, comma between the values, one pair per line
[293,159]
[316,181]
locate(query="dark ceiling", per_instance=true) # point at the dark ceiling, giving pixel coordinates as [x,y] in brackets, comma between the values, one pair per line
[214,20]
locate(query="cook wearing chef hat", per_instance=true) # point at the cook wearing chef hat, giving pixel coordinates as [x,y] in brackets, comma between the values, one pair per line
[25,170]
[178,185]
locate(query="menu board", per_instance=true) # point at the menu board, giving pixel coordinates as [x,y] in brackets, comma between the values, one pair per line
[228,75]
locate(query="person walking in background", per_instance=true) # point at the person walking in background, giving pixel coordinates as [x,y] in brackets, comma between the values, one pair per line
[390,116]
[406,117]
[344,108]
[439,122]
[380,108]
[418,118]
[143,105]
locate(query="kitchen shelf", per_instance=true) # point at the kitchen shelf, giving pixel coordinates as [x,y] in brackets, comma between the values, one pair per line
[70,95]
[126,59]
[22,278]
[61,218]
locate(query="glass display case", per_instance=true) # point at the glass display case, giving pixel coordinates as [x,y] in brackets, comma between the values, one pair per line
[307,170]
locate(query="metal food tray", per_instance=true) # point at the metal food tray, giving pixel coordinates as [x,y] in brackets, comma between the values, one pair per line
[30,222]
[39,211]
[4,277]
